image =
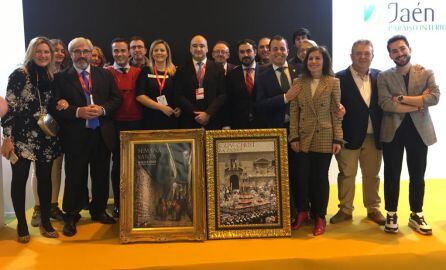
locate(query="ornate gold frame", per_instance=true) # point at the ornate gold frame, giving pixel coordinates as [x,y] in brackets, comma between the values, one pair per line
[128,231]
[217,230]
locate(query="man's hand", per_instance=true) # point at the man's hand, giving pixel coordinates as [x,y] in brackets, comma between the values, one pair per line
[177,112]
[90,111]
[202,118]
[292,92]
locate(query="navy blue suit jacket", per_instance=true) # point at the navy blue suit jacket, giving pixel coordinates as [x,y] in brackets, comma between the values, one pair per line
[355,122]
[270,101]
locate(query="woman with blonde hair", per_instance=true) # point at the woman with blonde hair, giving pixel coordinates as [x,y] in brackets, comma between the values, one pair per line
[30,93]
[155,89]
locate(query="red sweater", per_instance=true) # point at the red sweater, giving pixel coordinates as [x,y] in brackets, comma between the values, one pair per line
[130,109]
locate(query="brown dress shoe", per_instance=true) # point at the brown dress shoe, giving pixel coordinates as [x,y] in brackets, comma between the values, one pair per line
[339,217]
[377,217]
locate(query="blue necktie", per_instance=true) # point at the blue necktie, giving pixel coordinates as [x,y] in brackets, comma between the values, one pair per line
[199,71]
[94,122]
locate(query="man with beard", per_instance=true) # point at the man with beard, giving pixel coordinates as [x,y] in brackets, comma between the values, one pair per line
[263,51]
[87,133]
[200,89]
[138,52]
[405,94]
[241,84]
[129,115]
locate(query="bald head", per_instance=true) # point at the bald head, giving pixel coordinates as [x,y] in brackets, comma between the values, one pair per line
[198,47]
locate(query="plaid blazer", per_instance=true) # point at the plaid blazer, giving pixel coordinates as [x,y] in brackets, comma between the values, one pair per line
[312,119]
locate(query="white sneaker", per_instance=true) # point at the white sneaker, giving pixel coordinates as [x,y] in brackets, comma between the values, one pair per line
[391,225]
[417,222]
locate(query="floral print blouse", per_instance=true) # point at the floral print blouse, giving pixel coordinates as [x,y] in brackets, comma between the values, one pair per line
[20,122]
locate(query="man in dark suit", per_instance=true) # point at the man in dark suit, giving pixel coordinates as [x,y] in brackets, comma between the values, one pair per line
[274,92]
[241,84]
[87,133]
[220,54]
[200,89]
[361,127]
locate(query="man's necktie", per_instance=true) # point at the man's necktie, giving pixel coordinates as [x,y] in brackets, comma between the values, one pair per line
[284,83]
[249,81]
[199,71]
[94,122]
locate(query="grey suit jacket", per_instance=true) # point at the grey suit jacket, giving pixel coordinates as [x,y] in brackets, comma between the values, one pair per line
[390,84]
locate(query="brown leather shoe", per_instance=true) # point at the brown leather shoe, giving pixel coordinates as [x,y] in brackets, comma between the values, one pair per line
[377,217]
[339,217]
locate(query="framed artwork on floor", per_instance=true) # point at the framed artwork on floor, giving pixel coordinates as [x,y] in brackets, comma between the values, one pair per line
[247,184]
[162,186]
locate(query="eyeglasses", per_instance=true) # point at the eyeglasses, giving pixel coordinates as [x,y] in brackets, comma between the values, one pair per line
[80,52]
[134,47]
[220,52]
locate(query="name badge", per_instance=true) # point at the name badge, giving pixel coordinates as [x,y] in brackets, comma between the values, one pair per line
[159,76]
[162,100]
[199,93]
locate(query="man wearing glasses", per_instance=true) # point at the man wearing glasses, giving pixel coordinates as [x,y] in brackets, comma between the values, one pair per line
[221,54]
[138,52]
[87,133]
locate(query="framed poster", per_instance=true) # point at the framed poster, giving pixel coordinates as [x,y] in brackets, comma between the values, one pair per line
[247,189]
[162,187]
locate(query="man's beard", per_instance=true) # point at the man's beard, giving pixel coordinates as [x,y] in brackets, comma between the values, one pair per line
[246,63]
[402,64]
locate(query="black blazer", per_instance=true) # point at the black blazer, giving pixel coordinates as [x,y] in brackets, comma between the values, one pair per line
[214,95]
[270,102]
[74,134]
[240,111]
[355,122]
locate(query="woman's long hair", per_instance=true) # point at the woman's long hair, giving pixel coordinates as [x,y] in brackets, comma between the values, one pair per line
[31,51]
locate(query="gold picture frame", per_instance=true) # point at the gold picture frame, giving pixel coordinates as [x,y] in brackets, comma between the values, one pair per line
[247,188]
[162,187]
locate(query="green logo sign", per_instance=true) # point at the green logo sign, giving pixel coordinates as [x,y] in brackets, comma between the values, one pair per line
[368,11]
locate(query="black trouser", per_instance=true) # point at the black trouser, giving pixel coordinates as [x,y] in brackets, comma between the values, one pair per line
[312,183]
[96,155]
[20,172]
[406,137]
[115,172]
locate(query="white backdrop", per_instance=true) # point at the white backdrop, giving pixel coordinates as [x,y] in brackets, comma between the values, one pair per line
[424,25]
[13,49]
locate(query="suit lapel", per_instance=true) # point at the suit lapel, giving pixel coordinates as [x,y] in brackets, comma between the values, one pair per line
[321,87]
[74,80]
[412,81]
[398,78]
[308,99]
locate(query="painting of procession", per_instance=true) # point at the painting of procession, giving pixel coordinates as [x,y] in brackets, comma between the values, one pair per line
[247,190]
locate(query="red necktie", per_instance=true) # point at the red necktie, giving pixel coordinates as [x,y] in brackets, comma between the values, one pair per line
[248,80]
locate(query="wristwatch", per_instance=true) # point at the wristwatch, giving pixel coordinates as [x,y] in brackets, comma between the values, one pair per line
[400,98]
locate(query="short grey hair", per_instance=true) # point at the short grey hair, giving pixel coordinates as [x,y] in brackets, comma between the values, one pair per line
[79,41]
[362,42]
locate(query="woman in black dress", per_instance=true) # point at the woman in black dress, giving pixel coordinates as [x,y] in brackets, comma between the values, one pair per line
[154,89]
[29,93]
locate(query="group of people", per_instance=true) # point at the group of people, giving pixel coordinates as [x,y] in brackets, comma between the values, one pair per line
[351,114]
